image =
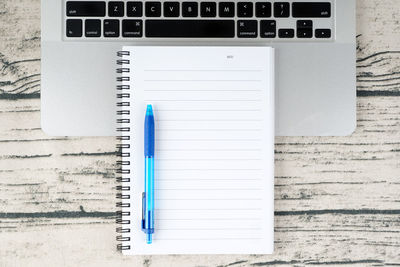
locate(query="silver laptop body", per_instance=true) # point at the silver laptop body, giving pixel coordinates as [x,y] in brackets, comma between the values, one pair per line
[315,77]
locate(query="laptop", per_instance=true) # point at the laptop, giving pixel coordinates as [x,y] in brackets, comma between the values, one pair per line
[314,41]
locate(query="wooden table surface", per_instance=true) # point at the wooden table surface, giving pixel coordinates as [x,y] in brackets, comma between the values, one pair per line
[337,199]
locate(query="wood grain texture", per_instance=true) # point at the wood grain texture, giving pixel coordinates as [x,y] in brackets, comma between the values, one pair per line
[337,199]
[19,49]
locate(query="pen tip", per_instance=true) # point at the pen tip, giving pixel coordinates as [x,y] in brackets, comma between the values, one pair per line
[149,111]
[149,239]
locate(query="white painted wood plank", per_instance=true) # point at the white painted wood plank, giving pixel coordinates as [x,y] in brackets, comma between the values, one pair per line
[327,239]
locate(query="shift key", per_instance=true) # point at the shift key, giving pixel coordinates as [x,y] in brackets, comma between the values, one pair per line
[311,10]
[86,9]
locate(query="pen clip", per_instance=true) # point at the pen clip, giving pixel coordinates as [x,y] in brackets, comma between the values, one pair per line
[143,210]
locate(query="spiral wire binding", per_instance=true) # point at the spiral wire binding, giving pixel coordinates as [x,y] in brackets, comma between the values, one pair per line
[123,165]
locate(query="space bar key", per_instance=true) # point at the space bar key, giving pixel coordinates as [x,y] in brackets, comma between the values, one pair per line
[190,28]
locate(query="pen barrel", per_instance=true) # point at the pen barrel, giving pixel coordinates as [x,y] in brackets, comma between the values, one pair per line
[149,131]
[148,209]
[149,191]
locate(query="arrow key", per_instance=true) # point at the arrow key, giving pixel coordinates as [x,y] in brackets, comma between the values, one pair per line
[304,33]
[323,33]
[286,33]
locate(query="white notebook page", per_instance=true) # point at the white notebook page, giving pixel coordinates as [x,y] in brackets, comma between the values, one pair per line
[214,119]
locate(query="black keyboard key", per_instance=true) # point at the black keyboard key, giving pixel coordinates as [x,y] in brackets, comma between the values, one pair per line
[304,24]
[304,33]
[247,29]
[190,28]
[86,9]
[74,28]
[304,29]
[134,9]
[190,9]
[323,33]
[268,28]
[208,9]
[311,10]
[132,28]
[286,33]
[171,9]
[245,9]
[263,9]
[153,9]
[226,9]
[111,28]
[115,9]
[92,28]
[281,10]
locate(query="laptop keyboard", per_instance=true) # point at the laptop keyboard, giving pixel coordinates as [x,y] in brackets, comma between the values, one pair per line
[161,20]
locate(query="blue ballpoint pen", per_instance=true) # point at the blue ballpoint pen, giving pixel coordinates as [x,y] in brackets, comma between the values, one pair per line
[148,195]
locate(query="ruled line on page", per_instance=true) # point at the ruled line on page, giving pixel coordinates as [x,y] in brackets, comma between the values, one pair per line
[214,199]
[208,120]
[231,169]
[221,209]
[207,159]
[207,189]
[203,70]
[209,219]
[208,149]
[206,140]
[208,130]
[212,229]
[213,179]
[202,100]
[205,80]
[209,239]
[201,90]
[208,110]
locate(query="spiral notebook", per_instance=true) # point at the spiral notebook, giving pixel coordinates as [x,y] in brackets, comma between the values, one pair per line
[214,168]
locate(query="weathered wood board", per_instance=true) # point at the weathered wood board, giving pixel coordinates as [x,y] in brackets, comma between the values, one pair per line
[337,199]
